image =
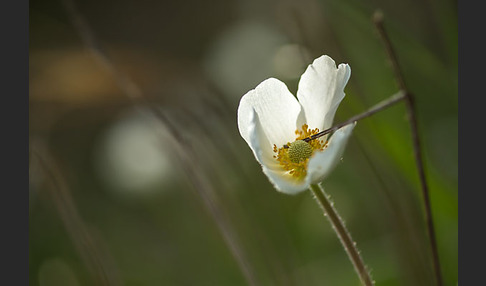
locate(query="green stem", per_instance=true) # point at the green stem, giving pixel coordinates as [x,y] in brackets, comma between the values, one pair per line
[343,234]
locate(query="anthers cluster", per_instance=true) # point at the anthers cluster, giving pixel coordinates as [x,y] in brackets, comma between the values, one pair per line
[295,158]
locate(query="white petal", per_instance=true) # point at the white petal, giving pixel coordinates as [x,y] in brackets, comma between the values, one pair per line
[259,144]
[280,179]
[321,89]
[322,163]
[284,182]
[278,110]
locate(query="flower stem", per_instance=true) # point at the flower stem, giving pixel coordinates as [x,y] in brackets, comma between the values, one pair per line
[343,234]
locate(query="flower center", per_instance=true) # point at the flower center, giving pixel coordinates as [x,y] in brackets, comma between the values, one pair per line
[299,151]
[294,159]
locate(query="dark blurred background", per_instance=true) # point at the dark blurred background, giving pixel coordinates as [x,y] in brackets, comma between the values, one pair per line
[161,189]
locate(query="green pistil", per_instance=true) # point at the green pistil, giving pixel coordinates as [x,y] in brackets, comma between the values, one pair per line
[299,151]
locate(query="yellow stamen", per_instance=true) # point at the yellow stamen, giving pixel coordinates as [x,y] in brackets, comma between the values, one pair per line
[295,158]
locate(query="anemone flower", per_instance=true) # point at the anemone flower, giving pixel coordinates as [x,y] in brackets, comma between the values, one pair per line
[274,123]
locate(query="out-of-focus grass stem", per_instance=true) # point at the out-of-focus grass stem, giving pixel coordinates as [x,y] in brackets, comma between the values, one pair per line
[97,260]
[185,151]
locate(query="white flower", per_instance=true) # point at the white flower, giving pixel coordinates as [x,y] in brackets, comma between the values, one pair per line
[270,117]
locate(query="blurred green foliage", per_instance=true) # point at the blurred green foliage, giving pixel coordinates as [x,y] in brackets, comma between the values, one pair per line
[124,206]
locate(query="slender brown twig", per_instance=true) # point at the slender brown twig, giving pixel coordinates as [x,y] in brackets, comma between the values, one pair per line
[412,116]
[185,152]
[377,107]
